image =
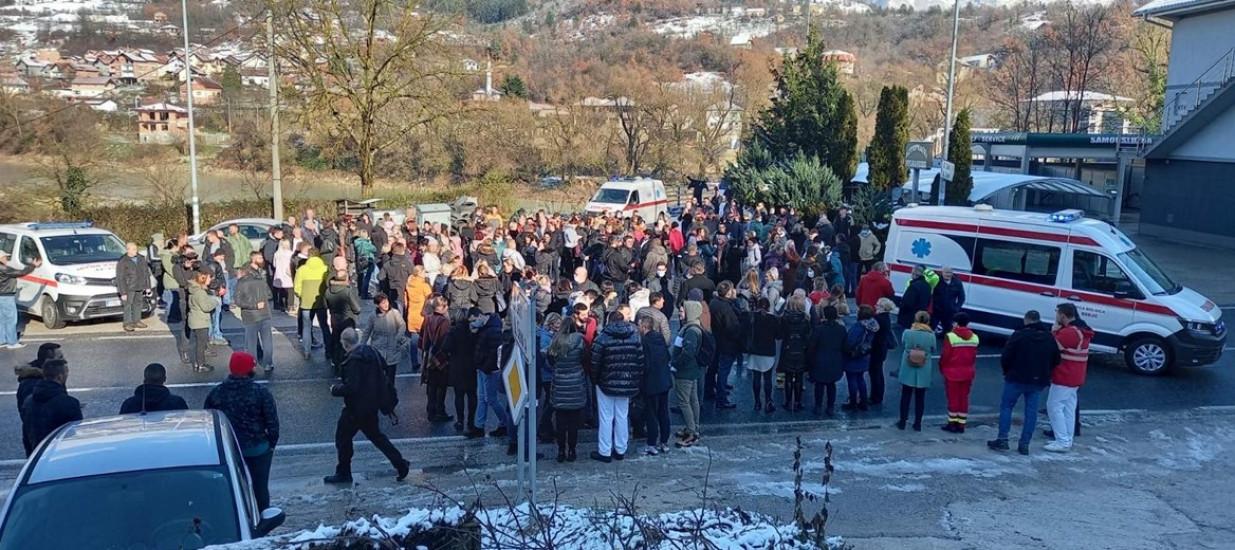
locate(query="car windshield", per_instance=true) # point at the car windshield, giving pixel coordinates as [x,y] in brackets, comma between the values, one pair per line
[1143,268]
[82,249]
[611,196]
[174,508]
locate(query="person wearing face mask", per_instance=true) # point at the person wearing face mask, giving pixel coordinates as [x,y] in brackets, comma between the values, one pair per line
[661,282]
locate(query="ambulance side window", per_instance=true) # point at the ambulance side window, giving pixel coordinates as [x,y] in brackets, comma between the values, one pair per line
[634,197]
[1031,263]
[1097,273]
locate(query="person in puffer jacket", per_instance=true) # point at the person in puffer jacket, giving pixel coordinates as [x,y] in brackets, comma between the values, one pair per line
[568,395]
[617,368]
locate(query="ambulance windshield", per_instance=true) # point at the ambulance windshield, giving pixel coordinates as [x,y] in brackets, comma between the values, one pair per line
[1151,277]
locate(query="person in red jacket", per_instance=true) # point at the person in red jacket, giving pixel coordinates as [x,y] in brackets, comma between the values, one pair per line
[1073,337]
[874,285]
[958,364]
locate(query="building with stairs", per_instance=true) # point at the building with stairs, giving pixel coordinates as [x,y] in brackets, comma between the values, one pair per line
[1189,189]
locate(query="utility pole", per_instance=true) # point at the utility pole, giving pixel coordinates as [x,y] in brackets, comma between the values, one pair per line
[276,172]
[947,121]
[188,82]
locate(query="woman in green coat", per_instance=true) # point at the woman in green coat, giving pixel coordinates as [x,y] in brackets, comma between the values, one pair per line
[917,363]
[201,305]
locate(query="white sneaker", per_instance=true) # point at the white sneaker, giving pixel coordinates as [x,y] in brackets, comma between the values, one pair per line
[18,345]
[1056,447]
[651,451]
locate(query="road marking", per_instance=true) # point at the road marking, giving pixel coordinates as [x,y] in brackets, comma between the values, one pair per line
[212,384]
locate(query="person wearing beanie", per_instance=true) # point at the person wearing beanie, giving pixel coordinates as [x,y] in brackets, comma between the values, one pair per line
[28,376]
[153,394]
[366,391]
[250,408]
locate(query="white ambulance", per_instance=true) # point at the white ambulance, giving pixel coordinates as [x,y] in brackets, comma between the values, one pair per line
[1012,261]
[627,197]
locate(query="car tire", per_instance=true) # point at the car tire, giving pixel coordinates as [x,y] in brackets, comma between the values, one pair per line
[1149,356]
[53,319]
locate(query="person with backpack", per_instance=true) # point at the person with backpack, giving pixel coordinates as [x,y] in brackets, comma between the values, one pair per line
[918,345]
[958,363]
[251,411]
[859,343]
[688,355]
[795,329]
[365,391]
[827,359]
[366,262]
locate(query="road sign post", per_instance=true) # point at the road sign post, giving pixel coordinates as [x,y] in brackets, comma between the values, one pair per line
[919,155]
[947,171]
[519,376]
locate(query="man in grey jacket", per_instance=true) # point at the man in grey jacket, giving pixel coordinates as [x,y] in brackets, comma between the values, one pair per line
[253,297]
[132,283]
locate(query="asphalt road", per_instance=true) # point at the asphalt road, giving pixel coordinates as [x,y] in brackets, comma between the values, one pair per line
[106,365]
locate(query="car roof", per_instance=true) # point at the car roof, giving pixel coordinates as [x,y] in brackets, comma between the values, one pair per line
[1104,233]
[52,230]
[128,443]
[251,221]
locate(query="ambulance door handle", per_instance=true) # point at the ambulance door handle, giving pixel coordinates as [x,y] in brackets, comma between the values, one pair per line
[1074,298]
[1047,293]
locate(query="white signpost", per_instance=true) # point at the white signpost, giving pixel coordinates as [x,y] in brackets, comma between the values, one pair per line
[918,156]
[519,376]
[947,171]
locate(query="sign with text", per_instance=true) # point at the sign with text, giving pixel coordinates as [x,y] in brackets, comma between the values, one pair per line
[920,154]
[947,170]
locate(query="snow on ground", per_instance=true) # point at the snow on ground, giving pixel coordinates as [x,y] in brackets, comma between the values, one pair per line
[688,27]
[565,527]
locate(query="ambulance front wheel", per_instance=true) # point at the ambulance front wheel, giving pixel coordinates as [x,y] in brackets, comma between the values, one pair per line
[1148,356]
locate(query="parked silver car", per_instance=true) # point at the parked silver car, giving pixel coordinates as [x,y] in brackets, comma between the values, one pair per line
[156,480]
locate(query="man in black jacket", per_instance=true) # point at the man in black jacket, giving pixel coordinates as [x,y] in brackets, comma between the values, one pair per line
[132,283]
[153,394]
[489,353]
[253,297]
[343,303]
[916,298]
[394,275]
[948,299]
[1027,360]
[698,280]
[617,368]
[28,376]
[49,405]
[251,411]
[365,391]
[728,331]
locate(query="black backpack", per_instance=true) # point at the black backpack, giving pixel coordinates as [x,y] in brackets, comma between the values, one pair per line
[707,349]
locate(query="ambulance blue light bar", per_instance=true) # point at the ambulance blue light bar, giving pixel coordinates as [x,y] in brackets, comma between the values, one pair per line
[1065,216]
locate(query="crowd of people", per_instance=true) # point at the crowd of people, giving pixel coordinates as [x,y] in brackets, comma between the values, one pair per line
[636,318]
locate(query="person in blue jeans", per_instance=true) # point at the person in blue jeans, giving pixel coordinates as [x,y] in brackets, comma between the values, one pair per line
[8,299]
[489,340]
[1027,360]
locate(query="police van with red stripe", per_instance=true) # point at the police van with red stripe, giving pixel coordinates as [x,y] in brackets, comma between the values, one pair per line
[1013,261]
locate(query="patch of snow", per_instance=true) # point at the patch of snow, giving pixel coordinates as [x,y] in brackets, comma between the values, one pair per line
[905,488]
[923,469]
[688,27]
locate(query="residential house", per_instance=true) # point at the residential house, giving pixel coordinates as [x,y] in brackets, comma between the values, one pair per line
[1191,164]
[1099,113]
[162,123]
[258,78]
[206,91]
[845,61]
[92,86]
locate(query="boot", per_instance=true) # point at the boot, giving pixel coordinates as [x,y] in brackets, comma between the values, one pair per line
[337,479]
[402,470]
[998,445]
[849,406]
[561,455]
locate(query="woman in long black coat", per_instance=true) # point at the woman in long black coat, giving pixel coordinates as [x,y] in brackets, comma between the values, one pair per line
[827,358]
[460,347]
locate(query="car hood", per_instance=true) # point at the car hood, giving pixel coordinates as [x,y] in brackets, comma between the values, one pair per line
[1192,306]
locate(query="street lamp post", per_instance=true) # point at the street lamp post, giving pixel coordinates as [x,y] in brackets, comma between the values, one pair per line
[188,82]
[947,121]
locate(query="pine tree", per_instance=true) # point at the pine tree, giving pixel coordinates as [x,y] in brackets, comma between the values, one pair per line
[512,86]
[886,154]
[961,155]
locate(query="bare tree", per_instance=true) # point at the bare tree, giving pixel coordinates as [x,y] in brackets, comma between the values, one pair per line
[1081,41]
[373,71]
[1020,77]
[165,179]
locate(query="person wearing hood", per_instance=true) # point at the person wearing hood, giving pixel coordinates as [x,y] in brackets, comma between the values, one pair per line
[153,394]
[568,393]
[488,289]
[918,343]
[365,254]
[868,249]
[958,365]
[49,405]
[657,381]
[343,304]
[489,339]
[617,368]
[1073,337]
[858,345]
[687,371]
[460,292]
[826,353]
[310,287]
[251,410]
[366,391]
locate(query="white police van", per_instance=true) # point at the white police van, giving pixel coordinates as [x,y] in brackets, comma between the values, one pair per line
[1012,261]
[76,281]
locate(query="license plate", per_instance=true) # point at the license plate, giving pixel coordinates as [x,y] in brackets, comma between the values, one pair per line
[112,302]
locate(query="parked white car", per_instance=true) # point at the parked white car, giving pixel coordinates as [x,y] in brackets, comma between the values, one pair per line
[172,479]
[77,280]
